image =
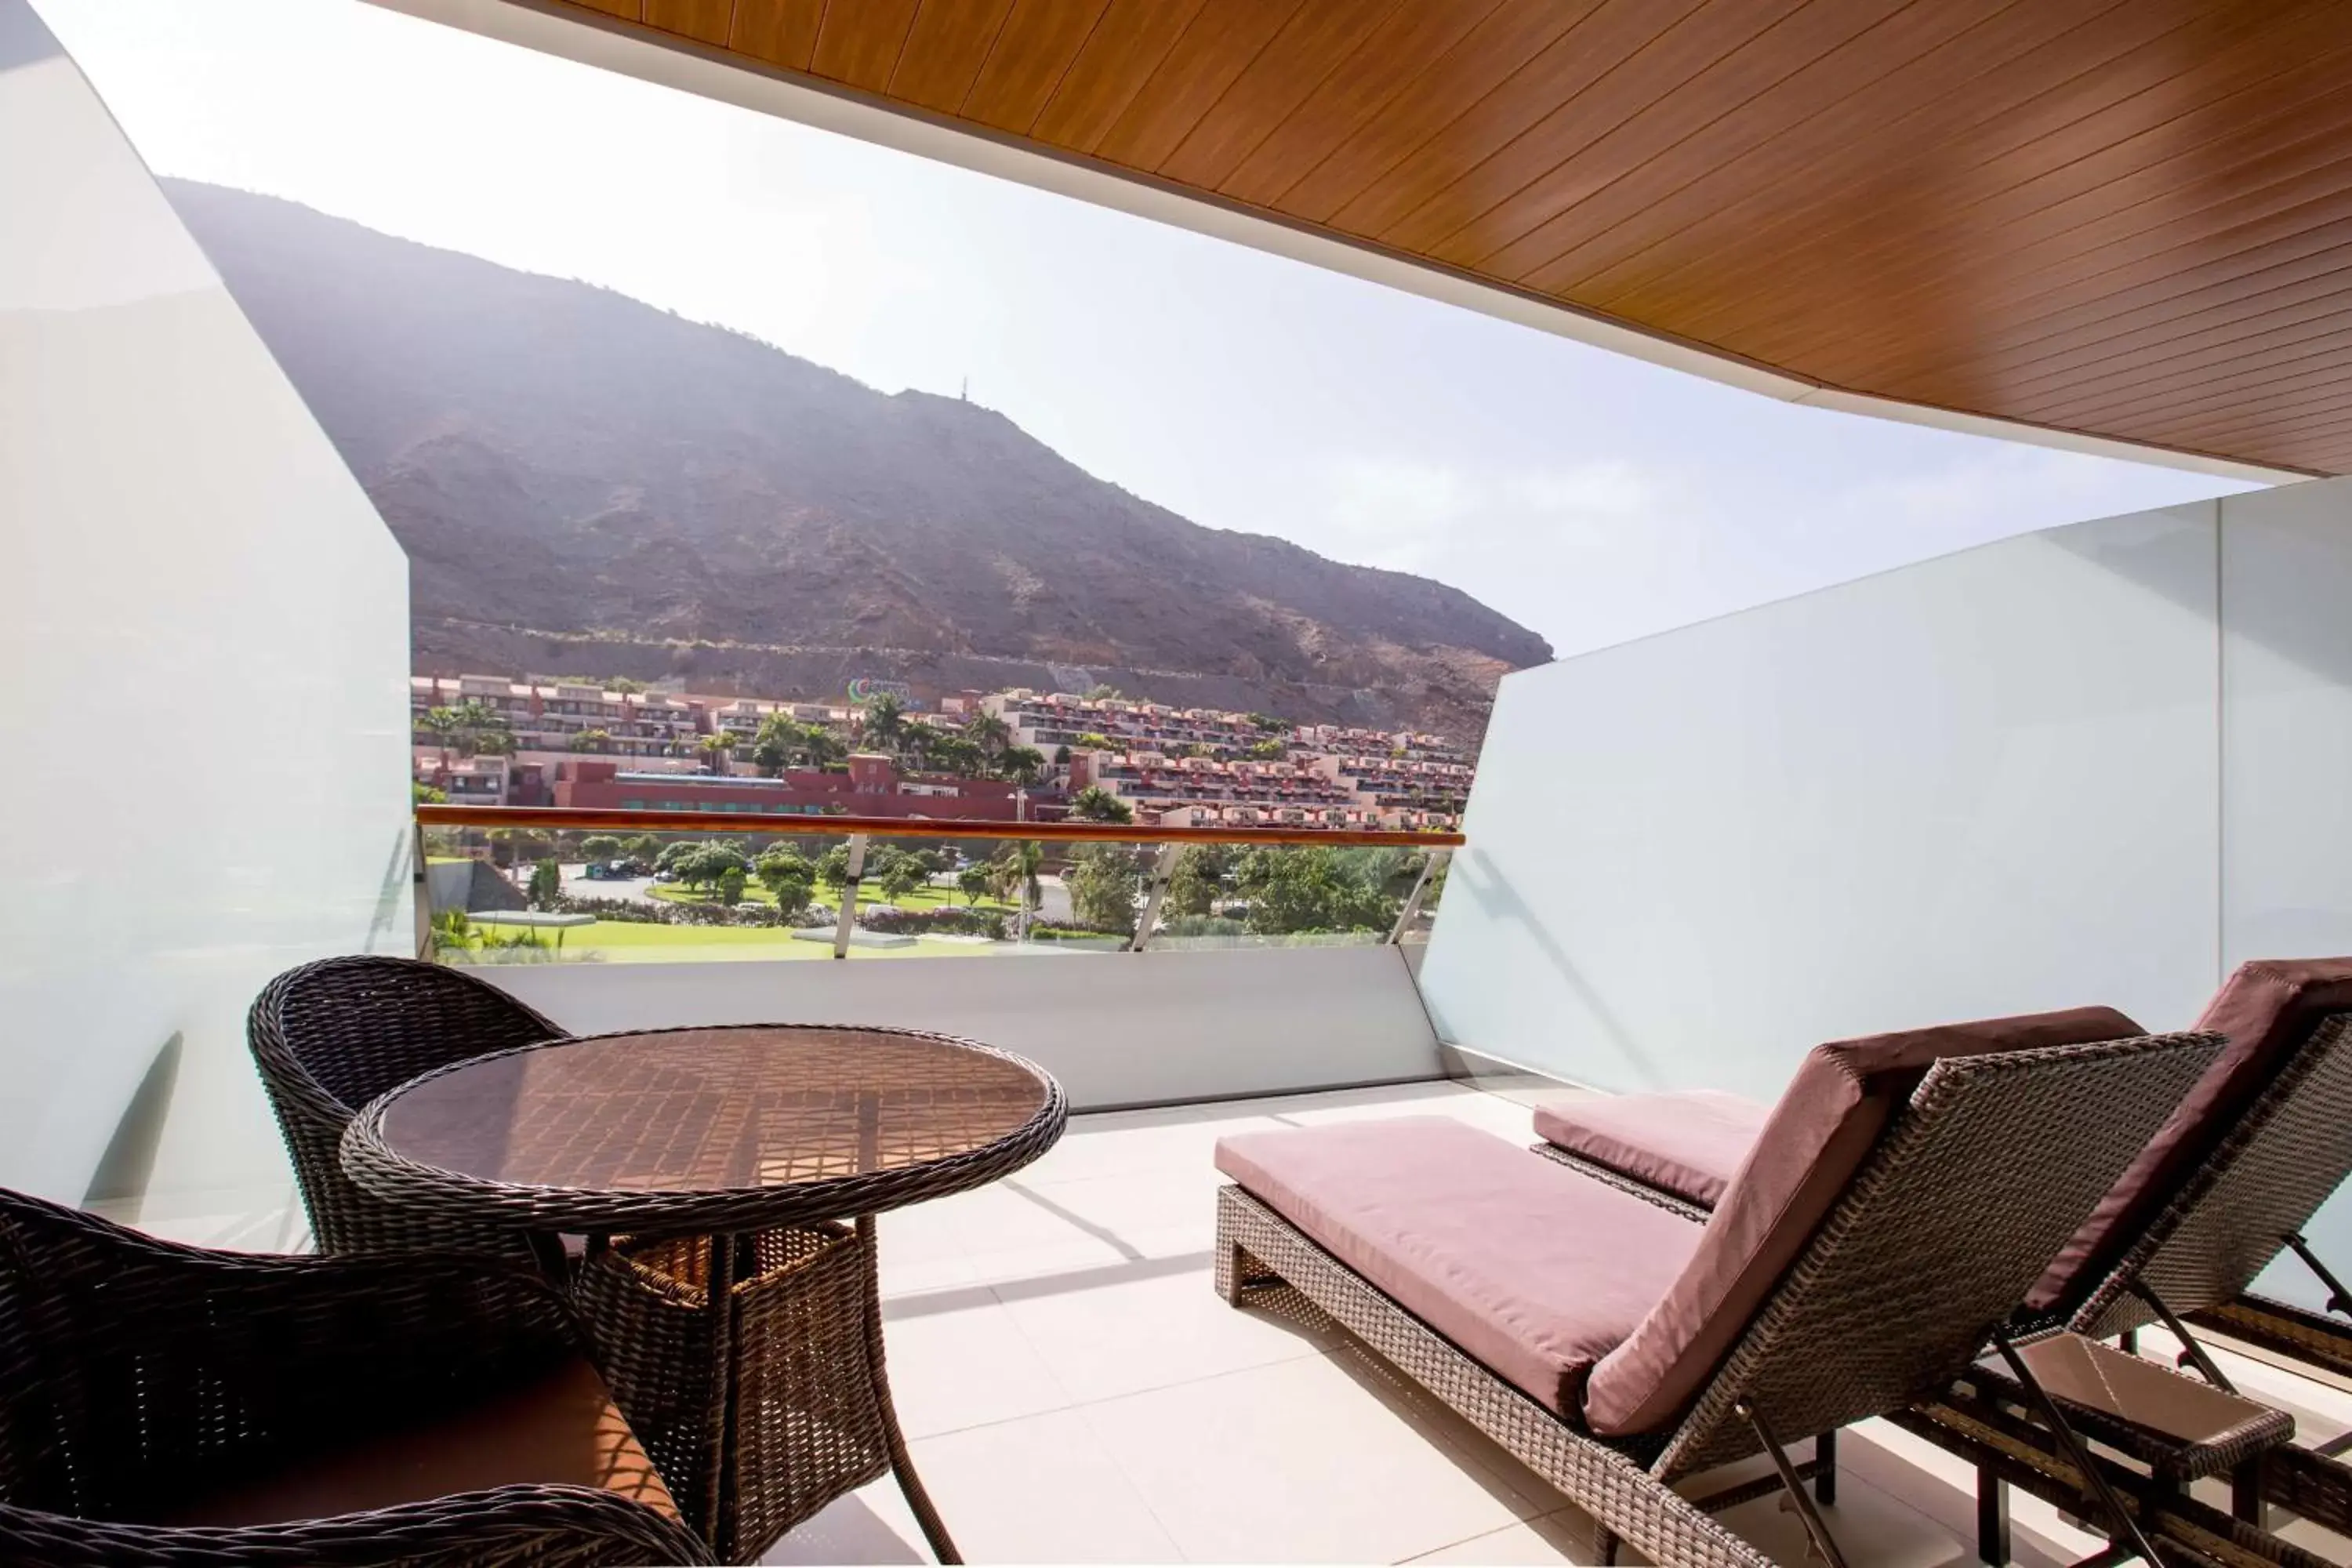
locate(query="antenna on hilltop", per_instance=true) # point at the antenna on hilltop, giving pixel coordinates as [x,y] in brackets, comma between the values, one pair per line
[964,396]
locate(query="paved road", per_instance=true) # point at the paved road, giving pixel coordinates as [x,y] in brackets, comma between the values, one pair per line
[576,883]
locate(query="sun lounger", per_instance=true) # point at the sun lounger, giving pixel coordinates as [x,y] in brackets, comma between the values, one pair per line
[2224,1187]
[1904,1193]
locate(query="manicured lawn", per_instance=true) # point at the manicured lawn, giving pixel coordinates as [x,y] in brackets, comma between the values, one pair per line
[624,942]
[867,893]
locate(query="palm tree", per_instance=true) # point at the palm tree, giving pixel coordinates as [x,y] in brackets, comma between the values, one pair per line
[592,741]
[779,741]
[1095,804]
[1022,765]
[442,724]
[716,749]
[479,728]
[885,721]
[821,745]
[988,730]
[1015,874]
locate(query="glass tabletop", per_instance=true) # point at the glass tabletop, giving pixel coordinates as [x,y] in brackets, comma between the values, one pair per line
[712,1111]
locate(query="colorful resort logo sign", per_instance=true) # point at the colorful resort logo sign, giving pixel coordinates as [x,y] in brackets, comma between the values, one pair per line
[866,687]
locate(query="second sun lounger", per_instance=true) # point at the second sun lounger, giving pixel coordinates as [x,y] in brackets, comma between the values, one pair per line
[1904,1193]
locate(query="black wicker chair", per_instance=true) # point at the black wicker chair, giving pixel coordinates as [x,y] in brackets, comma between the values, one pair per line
[165,1404]
[329,1036]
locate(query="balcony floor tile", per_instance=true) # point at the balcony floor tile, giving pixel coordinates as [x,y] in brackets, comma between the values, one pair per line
[1075,1391]
[1130,1335]
[1297,1462]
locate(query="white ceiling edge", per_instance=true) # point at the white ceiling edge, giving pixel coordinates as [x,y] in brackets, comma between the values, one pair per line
[712,73]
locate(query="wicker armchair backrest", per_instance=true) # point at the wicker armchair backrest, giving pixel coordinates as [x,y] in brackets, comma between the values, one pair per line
[354,1028]
[329,1036]
[30,1474]
[1989,1168]
[137,1375]
[2278,1163]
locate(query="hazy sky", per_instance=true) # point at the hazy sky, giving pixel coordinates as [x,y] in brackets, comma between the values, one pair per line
[1590,497]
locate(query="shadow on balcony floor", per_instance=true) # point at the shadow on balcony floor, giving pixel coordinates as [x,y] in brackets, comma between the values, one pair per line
[1076,1392]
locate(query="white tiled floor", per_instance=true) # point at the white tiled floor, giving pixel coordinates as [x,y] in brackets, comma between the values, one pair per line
[1074,1391]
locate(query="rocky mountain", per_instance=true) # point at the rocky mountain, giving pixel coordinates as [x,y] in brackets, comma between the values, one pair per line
[584,483]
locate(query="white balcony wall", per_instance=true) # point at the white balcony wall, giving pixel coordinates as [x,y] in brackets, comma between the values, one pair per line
[1116,1028]
[179,541]
[2096,764]
[1983,784]
[2286,753]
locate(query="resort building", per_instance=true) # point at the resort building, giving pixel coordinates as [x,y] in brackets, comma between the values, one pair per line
[549,716]
[1049,722]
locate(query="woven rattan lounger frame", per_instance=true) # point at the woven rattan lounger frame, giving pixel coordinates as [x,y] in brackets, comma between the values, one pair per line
[1997,1157]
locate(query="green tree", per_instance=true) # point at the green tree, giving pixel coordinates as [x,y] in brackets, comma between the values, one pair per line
[789,876]
[478,730]
[1198,883]
[1016,876]
[903,874]
[601,847]
[645,848]
[592,741]
[716,749]
[709,865]
[1269,723]
[1095,804]
[1101,694]
[974,881]
[774,748]
[1023,764]
[1270,750]
[623,685]
[949,752]
[1095,740]
[420,794]
[833,867]
[1104,881]
[546,885]
[442,724]
[1309,889]
[820,745]
[730,886]
[784,741]
[885,725]
[989,731]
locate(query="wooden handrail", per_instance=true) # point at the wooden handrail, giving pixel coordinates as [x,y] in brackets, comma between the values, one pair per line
[581,819]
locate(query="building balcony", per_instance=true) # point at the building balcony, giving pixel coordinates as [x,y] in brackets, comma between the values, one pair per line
[1984,785]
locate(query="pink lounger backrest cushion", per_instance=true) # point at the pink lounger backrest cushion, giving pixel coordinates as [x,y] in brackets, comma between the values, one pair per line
[1816,1139]
[2267,1010]
[1688,1141]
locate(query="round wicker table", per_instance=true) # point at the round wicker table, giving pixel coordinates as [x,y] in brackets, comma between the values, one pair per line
[725,1180]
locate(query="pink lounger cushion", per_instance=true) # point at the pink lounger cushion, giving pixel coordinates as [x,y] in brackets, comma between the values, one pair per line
[2267,1011]
[1689,1142]
[1533,1269]
[1815,1141]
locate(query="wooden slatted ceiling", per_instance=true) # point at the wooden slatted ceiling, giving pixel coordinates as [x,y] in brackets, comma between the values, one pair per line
[2131,218]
